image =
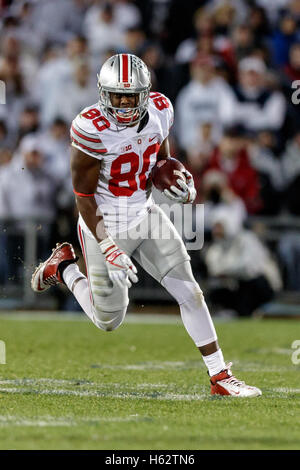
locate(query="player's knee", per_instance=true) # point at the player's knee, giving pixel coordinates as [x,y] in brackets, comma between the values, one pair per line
[110,303]
[181,284]
[189,292]
[108,321]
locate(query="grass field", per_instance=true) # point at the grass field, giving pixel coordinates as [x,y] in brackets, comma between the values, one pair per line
[67,385]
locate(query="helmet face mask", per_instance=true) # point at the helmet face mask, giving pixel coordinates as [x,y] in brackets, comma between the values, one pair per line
[124,74]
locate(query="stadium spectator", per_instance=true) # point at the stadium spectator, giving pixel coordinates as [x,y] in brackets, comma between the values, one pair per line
[283,38]
[217,195]
[72,96]
[225,60]
[259,24]
[203,25]
[27,192]
[206,98]
[273,9]
[56,72]
[11,75]
[199,152]
[13,49]
[245,275]
[291,70]
[257,106]
[4,136]
[228,12]
[231,159]
[134,39]
[224,15]
[291,174]
[289,256]
[152,54]
[125,14]
[206,42]
[242,38]
[54,143]
[102,30]
[58,21]
[5,158]
[24,13]
[29,121]
[263,155]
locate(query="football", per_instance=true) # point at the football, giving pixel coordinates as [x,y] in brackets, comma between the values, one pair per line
[165,173]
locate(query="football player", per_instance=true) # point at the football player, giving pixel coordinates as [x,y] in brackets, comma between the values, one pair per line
[115,144]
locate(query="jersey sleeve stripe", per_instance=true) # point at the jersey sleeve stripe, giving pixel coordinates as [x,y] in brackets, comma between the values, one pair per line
[89,139]
[81,130]
[79,147]
[88,148]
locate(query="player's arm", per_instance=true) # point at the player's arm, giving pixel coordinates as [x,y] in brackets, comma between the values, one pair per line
[187,193]
[85,173]
[164,150]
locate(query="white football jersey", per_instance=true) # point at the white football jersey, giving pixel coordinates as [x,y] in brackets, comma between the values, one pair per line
[127,157]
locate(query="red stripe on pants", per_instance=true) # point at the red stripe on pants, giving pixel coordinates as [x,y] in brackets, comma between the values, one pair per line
[80,234]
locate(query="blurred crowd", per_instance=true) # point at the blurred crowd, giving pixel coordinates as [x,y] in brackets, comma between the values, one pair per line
[232,71]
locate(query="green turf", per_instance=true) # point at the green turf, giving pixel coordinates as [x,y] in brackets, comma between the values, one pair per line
[67,385]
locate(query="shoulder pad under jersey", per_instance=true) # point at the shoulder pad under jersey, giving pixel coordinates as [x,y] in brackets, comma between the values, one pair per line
[85,131]
[163,107]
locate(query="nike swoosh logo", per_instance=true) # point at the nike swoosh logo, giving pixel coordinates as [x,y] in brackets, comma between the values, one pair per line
[150,140]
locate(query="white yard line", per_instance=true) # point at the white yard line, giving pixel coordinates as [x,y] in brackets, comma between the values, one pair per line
[82,383]
[144,318]
[107,394]
[238,366]
[41,316]
[135,318]
[164,365]
[147,391]
[286,390]
[135,394]
[282,351]
[118,390]
[50,421]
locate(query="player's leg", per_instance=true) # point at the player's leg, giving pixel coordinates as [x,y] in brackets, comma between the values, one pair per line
[167,260]
[108,302]
[102,302]
[59,268]
[164,256]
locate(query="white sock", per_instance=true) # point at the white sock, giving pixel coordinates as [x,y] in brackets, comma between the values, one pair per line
[214,362]
[79,286]
[70,274]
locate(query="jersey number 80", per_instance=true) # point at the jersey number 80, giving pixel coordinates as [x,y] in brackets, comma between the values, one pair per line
[132,158]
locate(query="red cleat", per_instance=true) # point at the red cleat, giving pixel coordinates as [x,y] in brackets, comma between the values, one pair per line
[225,383]
[47,273]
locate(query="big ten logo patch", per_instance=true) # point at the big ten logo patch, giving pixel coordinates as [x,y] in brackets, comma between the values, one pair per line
[126,148]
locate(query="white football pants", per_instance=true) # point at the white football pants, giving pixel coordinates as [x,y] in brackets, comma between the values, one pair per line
[159,249]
